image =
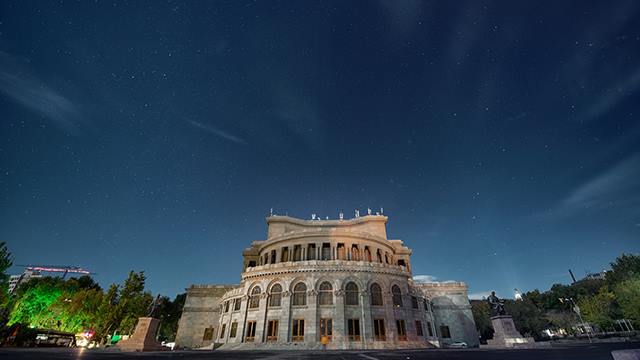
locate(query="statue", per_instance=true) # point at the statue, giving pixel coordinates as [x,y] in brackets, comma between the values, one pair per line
[154,308]
[496,305]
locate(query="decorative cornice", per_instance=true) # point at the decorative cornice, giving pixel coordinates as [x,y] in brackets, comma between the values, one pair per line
[201,309]
[342,266]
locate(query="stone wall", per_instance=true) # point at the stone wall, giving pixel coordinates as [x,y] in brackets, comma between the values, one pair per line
[201,310]
[451,308]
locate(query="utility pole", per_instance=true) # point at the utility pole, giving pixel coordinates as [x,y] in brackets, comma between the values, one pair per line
[576,309]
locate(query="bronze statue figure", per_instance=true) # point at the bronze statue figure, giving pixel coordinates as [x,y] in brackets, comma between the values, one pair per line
[154,308]
[496,305]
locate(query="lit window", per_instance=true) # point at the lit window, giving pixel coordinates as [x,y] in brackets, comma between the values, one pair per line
[378,330]
[297,333]
[272,330]
[402,330]
[353,329]
[251,331]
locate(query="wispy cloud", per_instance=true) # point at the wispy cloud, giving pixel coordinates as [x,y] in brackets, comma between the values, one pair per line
[217,132]
[19,84]
[615,186]
[403,14]
[614,96]
[480,295]
[424,278]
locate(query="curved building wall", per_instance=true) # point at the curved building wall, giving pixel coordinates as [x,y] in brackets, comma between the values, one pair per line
[310,276]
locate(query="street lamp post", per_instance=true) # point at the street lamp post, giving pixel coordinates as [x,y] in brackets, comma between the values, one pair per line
[576,309]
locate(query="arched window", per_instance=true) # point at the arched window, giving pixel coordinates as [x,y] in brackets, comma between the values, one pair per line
[276,295]
[367,254]
[254,298]
[376,295]
[351,294]
[397,296]
[300,294]
[325,294]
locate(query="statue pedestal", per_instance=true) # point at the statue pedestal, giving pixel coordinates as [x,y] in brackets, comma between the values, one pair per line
[144,336]
[505,333]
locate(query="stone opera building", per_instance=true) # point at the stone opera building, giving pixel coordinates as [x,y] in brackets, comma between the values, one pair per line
[336,282]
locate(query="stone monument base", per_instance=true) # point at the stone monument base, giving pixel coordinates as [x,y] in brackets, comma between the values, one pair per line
[143,338]
[505,333]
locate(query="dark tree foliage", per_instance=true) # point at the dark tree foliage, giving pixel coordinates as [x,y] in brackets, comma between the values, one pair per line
[170,315]
[626,266]
[529,319]
[5,263]
[482,316]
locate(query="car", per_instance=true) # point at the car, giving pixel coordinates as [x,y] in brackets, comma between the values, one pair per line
[457,345]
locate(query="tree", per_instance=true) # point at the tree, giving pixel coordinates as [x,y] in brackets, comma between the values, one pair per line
[527,317]
[625,267]
[134,302]
[628,296]
[482,317]
[34,300]
[170,313]
[5,264]
[598,308]
[107,318]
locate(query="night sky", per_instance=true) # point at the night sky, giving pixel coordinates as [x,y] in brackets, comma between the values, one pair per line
[501,138]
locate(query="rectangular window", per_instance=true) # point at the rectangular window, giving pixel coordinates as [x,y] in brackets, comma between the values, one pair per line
[326,328]
[224,326]
[297,252]
[236,304]
[297,333]
[208,333]
[272,330]
[251,331]
[311,252]
[226,306]
[444,332]
[402,330]
[429,330]
[419,330]
[353,329]
[378,330]
[234,329]
[326,251]
[414,302]
[341,252]
[285,254]
[273,256]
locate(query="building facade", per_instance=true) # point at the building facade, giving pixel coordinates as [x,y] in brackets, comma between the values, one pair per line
[336,282]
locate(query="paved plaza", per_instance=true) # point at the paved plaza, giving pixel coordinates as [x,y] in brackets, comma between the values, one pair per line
[566,352]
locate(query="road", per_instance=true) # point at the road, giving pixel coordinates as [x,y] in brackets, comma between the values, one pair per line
[568,352]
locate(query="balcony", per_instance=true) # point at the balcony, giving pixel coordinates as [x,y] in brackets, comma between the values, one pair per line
[331,265]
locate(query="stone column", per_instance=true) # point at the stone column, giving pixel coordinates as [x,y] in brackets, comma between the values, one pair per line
[339,326]
[390,319]
[311,318]
[260,321]
[242,325]
[367,321]
[284,324]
